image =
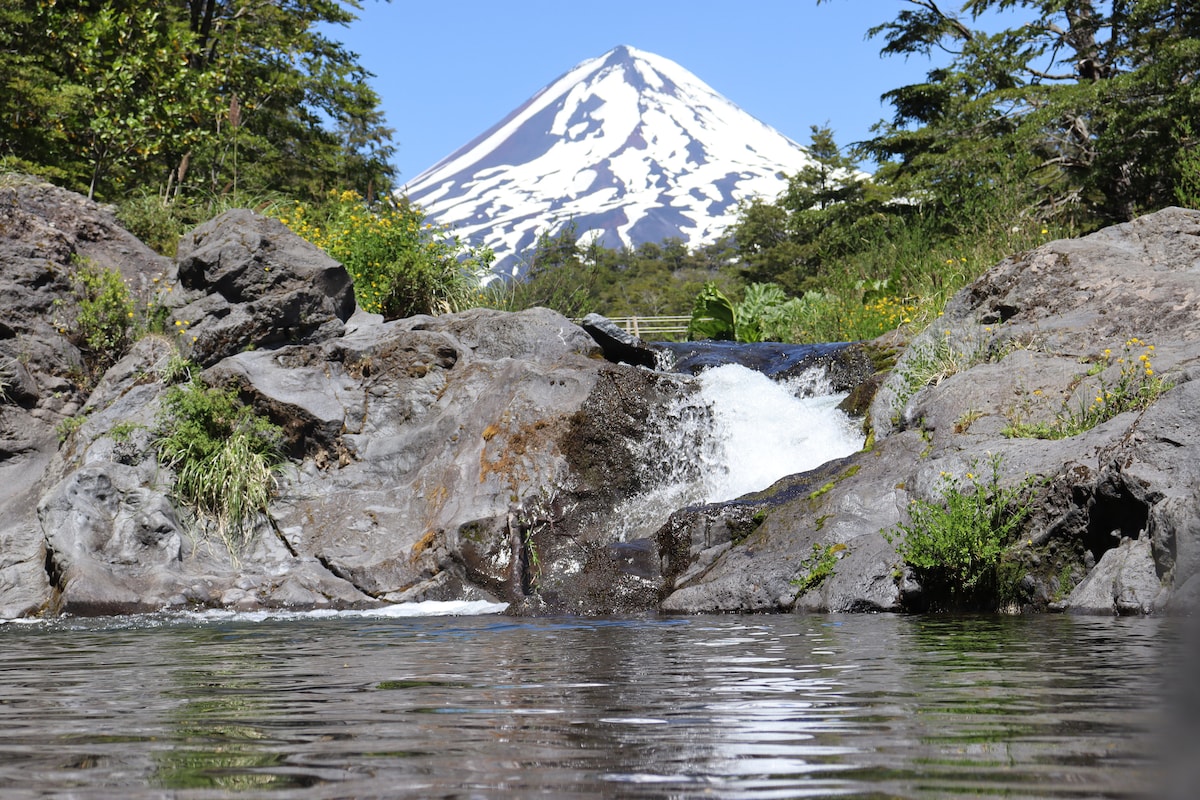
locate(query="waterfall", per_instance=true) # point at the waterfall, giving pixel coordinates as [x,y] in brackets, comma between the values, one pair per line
[739,433]
[767,430]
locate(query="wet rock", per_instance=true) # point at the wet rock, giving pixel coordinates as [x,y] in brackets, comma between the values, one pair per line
[618,345]
[842,365]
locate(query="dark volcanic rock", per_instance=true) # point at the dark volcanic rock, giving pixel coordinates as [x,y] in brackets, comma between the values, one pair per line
[618,345]
[248,281]
[45,234]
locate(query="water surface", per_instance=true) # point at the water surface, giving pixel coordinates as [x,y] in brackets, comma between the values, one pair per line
[493,707]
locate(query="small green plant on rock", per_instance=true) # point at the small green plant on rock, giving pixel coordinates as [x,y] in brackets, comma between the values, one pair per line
[123,432]
[6,380]
[818,567]
[68,426]
[956,547]
[225,457]
[104,324]
[1136,387]
[177,369]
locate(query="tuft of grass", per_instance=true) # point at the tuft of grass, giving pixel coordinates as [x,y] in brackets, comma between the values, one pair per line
[177,369]
[225,457]
[6,381]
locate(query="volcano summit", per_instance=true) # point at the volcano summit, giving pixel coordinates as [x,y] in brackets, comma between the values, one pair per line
[630,147]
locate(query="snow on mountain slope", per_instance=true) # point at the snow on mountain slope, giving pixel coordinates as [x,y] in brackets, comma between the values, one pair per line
[630,146]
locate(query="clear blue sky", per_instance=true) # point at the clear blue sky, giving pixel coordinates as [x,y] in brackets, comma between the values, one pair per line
[447,70]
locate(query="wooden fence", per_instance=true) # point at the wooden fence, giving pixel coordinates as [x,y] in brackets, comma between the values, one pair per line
[654,328]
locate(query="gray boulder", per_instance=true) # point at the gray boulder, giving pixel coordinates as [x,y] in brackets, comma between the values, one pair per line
[460,456]
[247,281]
[45,234]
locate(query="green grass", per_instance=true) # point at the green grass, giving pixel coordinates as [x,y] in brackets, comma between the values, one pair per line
[225,457]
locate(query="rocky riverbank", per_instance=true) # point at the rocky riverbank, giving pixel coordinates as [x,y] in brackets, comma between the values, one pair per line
[482,455]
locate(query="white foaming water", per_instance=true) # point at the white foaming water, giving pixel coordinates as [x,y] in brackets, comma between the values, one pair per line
[740,434]
[766,432]
[428,608]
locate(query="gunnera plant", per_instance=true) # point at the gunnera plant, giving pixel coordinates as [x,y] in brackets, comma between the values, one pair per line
[226,458]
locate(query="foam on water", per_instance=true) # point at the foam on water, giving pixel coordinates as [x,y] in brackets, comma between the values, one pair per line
[767,432]
[429,608]
[739,434]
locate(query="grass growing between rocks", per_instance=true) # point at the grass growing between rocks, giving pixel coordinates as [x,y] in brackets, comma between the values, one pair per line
[225,457]
[1136,387]
[957,547]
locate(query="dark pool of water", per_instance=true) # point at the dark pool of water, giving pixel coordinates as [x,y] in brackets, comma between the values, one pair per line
[492,707]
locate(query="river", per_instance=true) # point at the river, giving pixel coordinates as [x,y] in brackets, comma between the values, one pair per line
[346,705]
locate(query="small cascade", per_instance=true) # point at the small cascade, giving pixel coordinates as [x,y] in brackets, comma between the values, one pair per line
[767,430]
[739,433]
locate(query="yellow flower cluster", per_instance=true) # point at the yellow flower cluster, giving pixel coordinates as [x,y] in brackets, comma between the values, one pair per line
[884,314]
[1136,386]
[399,263]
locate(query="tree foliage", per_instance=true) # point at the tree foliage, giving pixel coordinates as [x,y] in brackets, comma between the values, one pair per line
[202,97]
[655,278]
[829,210]
[1078,105]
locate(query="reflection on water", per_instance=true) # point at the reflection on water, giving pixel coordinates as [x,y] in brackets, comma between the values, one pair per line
[745,707]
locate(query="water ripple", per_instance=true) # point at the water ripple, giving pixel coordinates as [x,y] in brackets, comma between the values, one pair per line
[731,707]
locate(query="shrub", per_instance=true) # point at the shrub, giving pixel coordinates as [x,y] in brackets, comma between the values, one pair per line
[712,315]
[225,457]
[155,221]
[160,222]
[104,325]
[401,265]
[956,547]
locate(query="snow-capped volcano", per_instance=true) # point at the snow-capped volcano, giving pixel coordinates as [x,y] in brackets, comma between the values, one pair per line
[630,146]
